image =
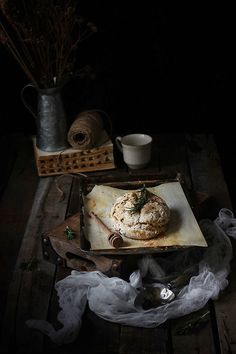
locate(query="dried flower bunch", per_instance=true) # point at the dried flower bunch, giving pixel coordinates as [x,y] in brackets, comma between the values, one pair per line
[43,36]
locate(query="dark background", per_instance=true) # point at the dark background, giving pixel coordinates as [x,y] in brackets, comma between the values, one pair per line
[156,66]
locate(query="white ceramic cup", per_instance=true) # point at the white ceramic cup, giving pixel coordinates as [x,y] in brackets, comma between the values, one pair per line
[136,149]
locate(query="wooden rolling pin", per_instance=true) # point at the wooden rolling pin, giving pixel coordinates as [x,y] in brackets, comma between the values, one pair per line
[114,238]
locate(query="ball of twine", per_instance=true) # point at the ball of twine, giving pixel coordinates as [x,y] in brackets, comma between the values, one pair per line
[85,131]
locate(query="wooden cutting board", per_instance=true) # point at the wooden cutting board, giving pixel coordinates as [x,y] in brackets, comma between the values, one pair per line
[58,249]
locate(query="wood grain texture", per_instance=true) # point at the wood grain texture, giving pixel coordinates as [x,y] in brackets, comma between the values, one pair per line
[144,340]
[177,155]
[207,173]
[29,291]
[32,293]
[19,183]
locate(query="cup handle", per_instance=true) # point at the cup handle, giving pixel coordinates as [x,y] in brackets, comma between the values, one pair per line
[118,143]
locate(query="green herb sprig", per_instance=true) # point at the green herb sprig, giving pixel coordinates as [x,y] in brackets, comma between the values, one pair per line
[142,200]
[70,234]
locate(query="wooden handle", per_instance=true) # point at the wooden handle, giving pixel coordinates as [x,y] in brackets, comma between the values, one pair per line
[114,238]
[102,226]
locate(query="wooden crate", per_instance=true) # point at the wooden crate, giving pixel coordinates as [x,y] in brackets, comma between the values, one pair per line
[74,160]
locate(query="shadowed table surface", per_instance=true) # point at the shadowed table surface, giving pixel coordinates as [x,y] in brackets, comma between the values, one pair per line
[31,293]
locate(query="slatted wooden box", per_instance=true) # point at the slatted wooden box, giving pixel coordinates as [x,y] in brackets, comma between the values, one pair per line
[74,160]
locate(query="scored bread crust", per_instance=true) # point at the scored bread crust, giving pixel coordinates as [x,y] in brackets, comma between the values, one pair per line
[149,222]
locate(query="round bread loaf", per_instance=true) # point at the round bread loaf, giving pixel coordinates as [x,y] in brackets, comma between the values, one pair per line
[140,216]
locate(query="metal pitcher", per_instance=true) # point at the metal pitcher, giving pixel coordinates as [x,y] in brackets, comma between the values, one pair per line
[51,132]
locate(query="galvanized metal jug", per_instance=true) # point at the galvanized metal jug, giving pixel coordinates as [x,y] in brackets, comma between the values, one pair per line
[51,133]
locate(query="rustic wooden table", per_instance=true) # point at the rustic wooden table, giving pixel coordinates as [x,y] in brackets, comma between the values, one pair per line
[32,295]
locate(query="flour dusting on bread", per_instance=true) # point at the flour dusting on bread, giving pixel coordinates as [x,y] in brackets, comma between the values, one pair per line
[140,215]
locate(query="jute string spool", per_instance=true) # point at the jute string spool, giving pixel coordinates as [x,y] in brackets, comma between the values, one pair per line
[86,130]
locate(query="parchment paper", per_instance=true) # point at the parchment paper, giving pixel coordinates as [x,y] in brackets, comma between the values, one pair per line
[183,229]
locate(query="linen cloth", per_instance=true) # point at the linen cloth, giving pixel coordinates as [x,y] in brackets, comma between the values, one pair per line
[113,298]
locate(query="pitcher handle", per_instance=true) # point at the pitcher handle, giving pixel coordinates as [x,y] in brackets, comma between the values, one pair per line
[24,100]
[118,143]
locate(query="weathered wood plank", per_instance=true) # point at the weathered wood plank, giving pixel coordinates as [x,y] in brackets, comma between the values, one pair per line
[207,175]
[8,334]
[175,156]
[96,335]
[16,199]
[192,335]
[29,291]
[200,343]
[144,340]
[225,309]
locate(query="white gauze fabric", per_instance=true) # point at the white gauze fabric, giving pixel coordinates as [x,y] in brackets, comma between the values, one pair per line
[113,298]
